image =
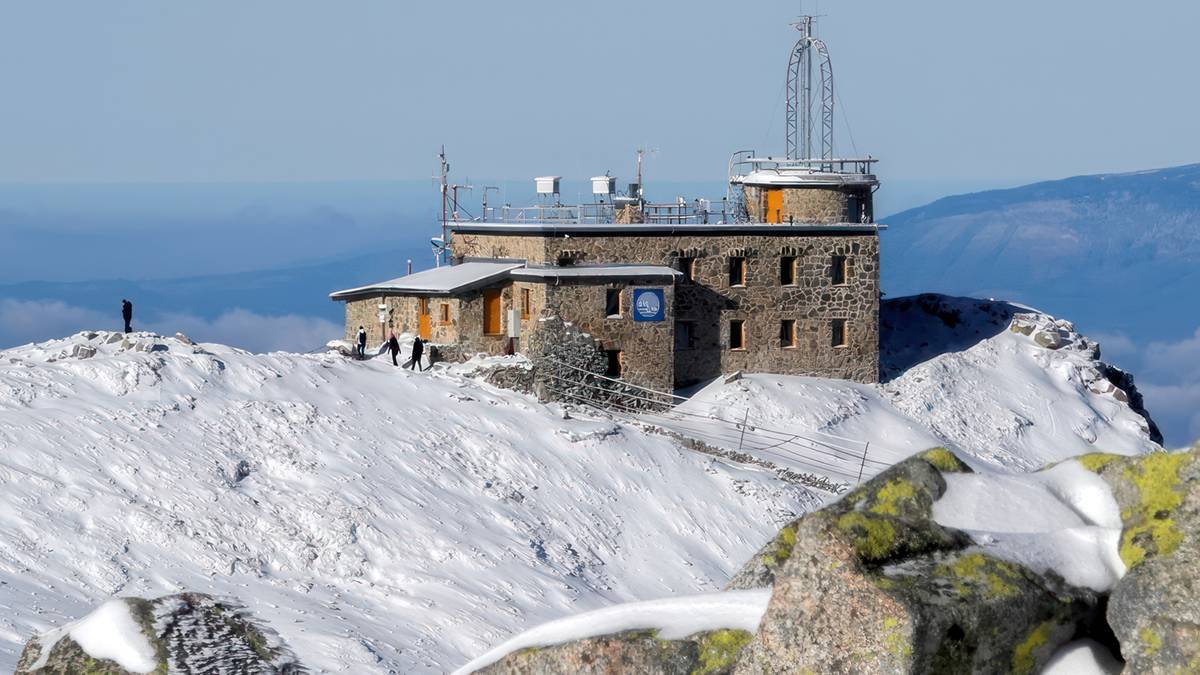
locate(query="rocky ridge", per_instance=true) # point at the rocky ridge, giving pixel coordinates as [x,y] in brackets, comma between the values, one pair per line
[872,584]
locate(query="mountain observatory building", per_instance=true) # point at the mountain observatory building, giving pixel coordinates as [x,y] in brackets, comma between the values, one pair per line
[780,275]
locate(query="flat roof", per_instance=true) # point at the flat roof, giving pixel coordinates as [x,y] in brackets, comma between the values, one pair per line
[667,229]
[438,281]
[596,272]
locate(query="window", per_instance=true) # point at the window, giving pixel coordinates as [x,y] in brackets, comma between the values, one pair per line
[840,270]
[737,271]
[787,333]
[491,311]
[787,270]
[688,267]
[526,304]
[737,334]
[445,313]
[838,330]
[685,335]
[612,303]
[614,362]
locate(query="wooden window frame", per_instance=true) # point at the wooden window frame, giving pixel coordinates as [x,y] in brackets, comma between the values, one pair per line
[526,304]
[687,265]
[839,268]
[691,342]
[839,328]
[790,264]
[738,327]
[620,294]
[787,329]
[740,261]
[619,361]
[444,314]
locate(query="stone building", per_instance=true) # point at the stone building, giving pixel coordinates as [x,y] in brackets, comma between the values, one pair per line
[780,276]
[797,294]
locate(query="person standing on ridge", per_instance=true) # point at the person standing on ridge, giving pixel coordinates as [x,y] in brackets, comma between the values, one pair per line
[362,343]
[418,349]
[394,348]
[127,314]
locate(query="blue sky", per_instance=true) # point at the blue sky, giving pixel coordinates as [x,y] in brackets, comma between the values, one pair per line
[952,96]
[948,92]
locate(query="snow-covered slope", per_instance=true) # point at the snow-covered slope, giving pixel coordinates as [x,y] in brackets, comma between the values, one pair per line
[961,378]
[381,519]
[378,519]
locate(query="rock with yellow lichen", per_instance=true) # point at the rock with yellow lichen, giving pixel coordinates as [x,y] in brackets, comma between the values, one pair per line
[638,651]
[873,585]
[1155,609]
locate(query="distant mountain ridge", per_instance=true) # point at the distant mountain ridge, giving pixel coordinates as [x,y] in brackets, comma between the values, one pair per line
[1116,252]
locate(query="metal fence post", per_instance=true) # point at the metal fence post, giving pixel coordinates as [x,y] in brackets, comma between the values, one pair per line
[745,419]
[864,461]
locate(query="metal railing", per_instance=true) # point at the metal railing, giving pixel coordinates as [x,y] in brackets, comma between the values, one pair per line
[834,462]
[695,212]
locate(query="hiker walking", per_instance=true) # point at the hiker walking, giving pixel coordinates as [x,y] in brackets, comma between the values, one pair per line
[127,314]
[362,343]
[418,348]
[394,348]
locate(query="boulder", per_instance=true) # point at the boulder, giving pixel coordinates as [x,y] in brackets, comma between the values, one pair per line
[1048,339]
[83,351]
[1154,610]
[639,651]
[184,633]
[873,585]
[343,347]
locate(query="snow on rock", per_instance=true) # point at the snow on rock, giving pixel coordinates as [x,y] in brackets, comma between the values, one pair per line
[1024,397]
[109,633]
[378,519]
[1063,519]
[672,618]
[1083,657]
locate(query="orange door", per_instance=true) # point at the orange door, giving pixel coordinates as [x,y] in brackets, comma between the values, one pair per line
[774,205]
[423,318]
[491,311]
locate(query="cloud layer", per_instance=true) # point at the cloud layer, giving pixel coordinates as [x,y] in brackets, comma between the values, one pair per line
[23,321]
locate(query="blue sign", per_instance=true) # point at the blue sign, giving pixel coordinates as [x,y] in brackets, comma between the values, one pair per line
[648,304]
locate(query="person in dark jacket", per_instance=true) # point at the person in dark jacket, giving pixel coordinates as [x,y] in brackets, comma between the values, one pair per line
[127,314]
[362,343]
[394,348]
[418,349]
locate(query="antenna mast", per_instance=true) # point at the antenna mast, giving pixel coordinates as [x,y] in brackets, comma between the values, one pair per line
[445,173]
[799,123]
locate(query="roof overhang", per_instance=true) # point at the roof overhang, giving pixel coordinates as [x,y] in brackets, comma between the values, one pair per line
[439,281]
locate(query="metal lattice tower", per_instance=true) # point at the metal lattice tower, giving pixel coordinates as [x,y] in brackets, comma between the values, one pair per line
[799,94]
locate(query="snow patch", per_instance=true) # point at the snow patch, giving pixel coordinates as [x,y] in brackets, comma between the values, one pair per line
[673,618]
[1063,519]
[109,632]
[1083,657]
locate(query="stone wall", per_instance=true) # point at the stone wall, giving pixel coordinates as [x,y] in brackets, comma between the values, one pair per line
[402,317]
[807,205]
[645,345]
[529,248]
[709,303]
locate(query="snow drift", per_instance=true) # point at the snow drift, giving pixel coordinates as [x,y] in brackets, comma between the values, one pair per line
[380,519]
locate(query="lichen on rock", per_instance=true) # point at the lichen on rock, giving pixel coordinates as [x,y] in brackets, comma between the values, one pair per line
[1154,610]
[873,584]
